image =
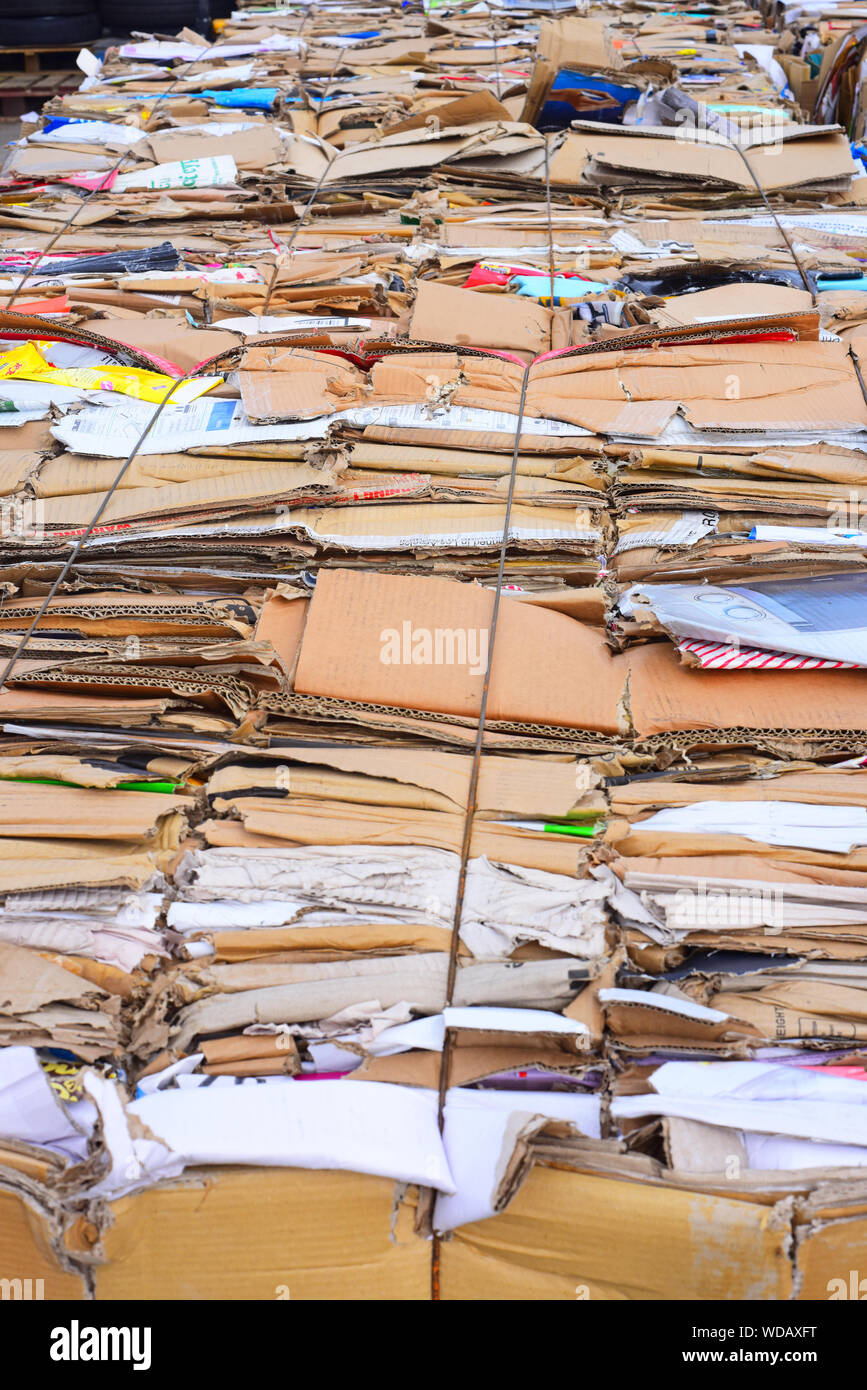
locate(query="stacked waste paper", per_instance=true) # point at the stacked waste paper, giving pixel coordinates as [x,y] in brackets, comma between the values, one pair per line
[433,451]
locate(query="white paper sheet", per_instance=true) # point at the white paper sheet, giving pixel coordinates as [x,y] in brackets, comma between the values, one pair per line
[29,1109]
[824,616]
[836,829]
[360,1127]
[480,1129]
[756,1097]
[429,1033]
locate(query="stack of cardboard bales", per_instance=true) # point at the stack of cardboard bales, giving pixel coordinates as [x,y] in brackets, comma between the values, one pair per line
[433,662]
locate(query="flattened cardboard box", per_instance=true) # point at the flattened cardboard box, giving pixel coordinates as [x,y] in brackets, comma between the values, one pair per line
[348,651]
[244,1233]
[234,1233]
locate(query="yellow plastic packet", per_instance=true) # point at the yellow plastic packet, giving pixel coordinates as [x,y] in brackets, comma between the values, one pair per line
[64,1078]
[26,363]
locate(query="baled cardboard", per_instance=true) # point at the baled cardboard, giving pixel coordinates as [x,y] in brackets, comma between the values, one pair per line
[355,621]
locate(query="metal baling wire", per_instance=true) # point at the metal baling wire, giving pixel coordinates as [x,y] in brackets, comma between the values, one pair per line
[151,422]
[550,216]
[856,363]
[472,795]
[477,748]
[445,1056]
[494,29]
[100,188]
[475,768]
[81,542]
[287,248]
[107,496]
[780,228]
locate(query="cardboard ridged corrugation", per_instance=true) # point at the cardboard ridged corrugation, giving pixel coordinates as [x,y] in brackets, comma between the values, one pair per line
[186,347]
[458,732]
[103,614]
[212,689]
[30,325]
[642,1024]
[720,386]
[430,778]
[803,324]
[205,494]
[817,787]
[307,821]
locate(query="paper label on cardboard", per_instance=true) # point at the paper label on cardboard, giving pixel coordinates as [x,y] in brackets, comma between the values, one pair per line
[686,530]
[462,540]
[216,171]
[822,617]
[112,432]
[456,418]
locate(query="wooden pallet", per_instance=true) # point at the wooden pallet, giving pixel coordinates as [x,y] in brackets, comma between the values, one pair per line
[41,84]
[30,53]
[19,89]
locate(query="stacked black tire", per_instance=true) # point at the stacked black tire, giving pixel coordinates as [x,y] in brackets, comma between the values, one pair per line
[157,17]
[74,22]
[47,23]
